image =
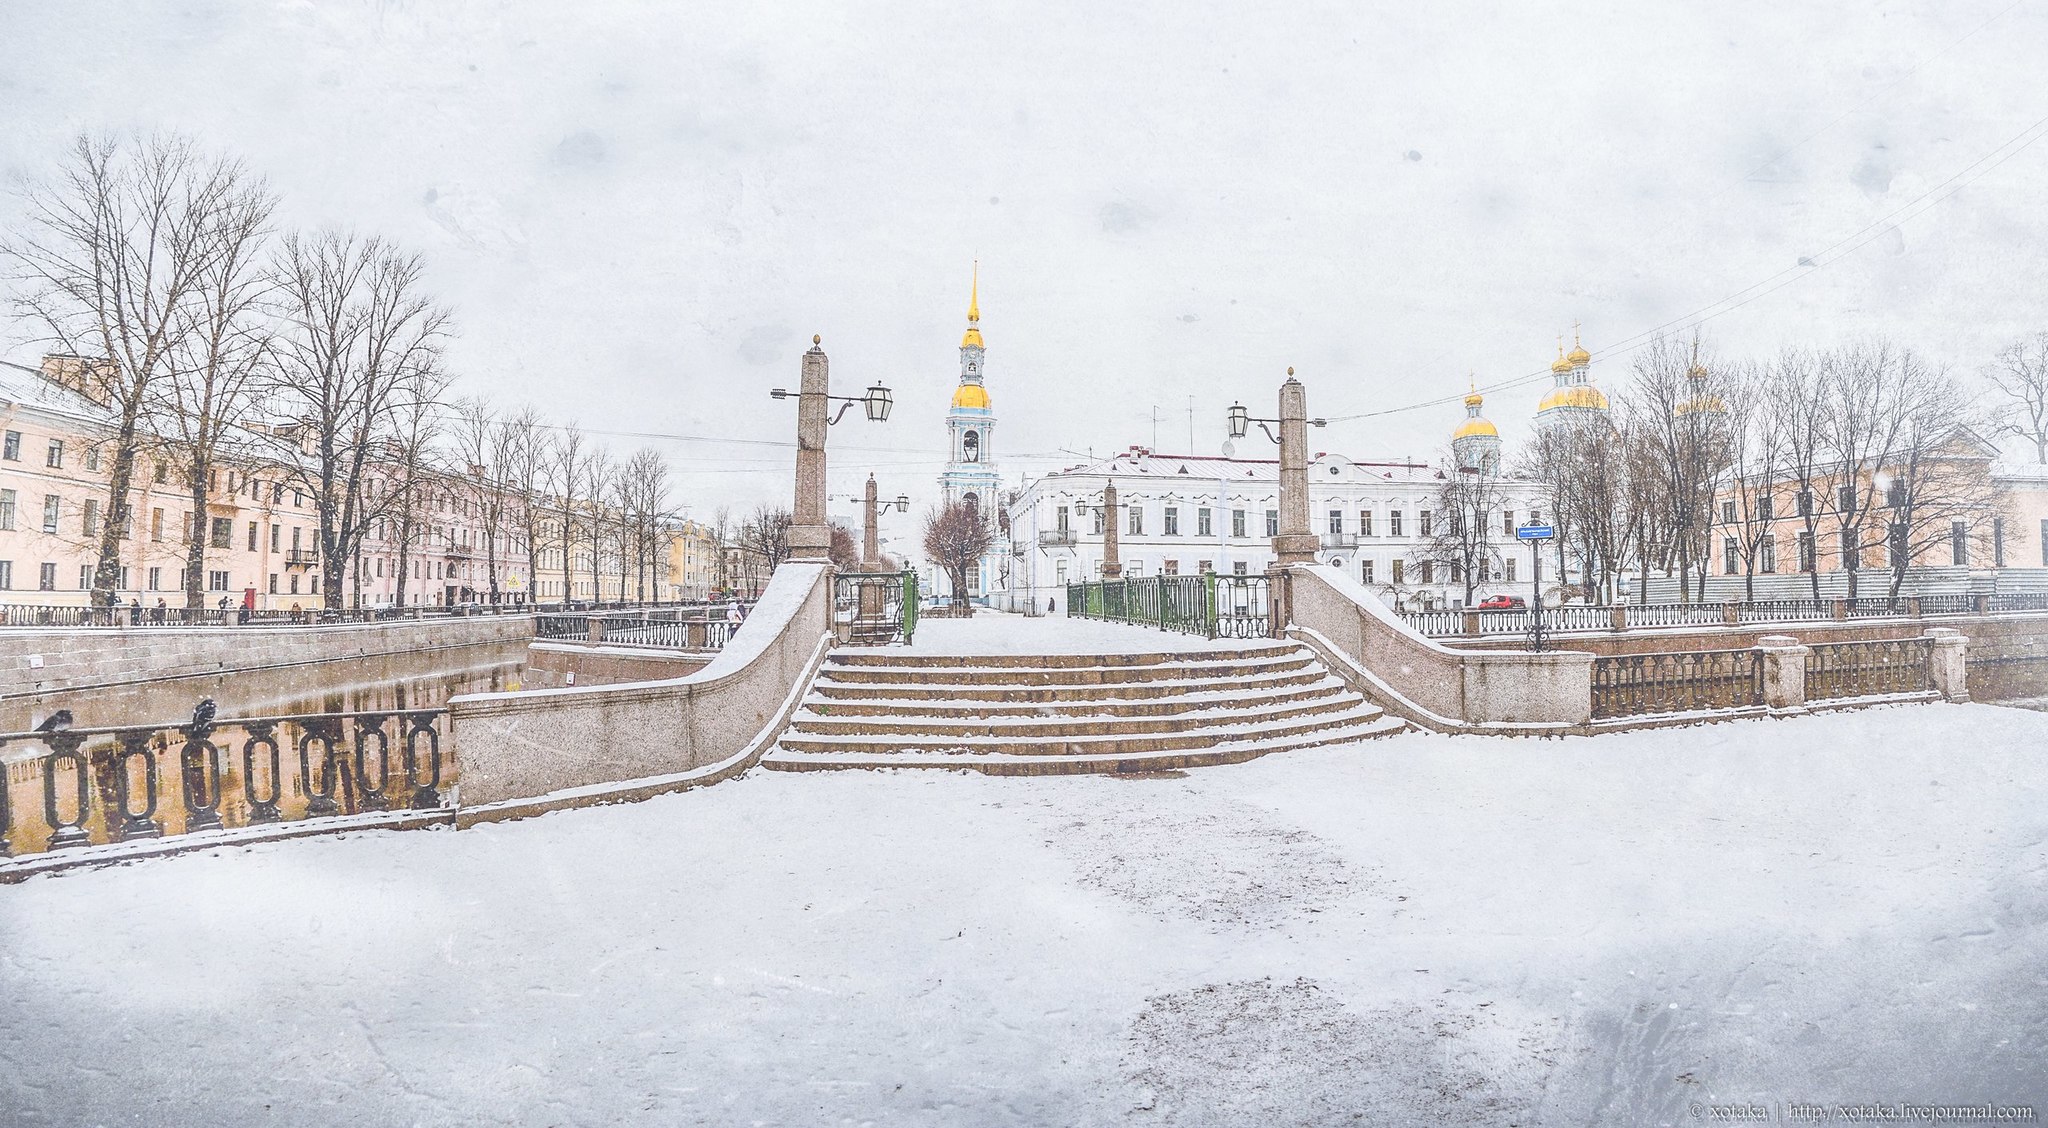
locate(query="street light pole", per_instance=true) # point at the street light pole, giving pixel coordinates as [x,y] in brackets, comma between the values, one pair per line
[810,537]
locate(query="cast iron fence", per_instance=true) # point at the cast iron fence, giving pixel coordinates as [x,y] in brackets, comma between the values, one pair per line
[1449,623]
[1638,684]
[1867,669]
[129,615]
[90,786]
[701,627]
[1209,604]
[874,608]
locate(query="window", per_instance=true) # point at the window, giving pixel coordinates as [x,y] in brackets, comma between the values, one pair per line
[274,535]
[1393,522]
[1507,522]
[1895,494]
[1171,568]
[1845,499]
[1237,568]
[1422,522]
[1171,520]
[252,536]
[1237,530]
[293,580]
[1059,568]
[51,503]
[1429,571]
[1365,571]
[1098,520]
[85,577]
[1398,577]
[1509,564]
[1365,522]
[1136,525]
[12,450]
[1336,522]
[46,578]
[1805,503]
[1272,522]
[1204,527]
[1728,512]
[223,533]
[1457,522]
[163,474]
[273,583]
[156,524]
[1895,543]
[380,567]
[1767,554]
[1765,508]
[6,575]
[970,447]
[92,458]
[156,579]
[6,509]
[1806,547]
[1059,519]
[1731,555]
[216,581]
[1959,543]
[1847,547]
[54,458]
[92,517]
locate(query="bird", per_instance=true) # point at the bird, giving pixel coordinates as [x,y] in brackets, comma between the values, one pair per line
[55,722]
[202,713]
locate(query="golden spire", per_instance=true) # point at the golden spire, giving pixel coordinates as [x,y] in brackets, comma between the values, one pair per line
[1472,396]
[1579,356]
[1560,365]
[972,339]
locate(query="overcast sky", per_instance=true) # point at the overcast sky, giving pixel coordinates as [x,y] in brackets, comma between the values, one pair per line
[642,211]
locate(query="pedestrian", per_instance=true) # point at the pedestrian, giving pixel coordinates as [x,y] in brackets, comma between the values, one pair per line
[297,614]
[1052,604]
[156,614]
[735,614]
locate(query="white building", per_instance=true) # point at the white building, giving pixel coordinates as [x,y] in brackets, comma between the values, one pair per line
[1187,514]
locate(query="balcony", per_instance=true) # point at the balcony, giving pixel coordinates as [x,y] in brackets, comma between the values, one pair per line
[1057,538]
[302,558]
[1340,540]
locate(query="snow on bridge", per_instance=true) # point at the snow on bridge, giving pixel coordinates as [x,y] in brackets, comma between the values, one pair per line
[1424,929]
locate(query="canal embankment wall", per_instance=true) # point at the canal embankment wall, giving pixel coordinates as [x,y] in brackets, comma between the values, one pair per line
[35,660]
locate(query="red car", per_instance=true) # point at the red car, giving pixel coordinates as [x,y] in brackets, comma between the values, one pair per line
[1503,603]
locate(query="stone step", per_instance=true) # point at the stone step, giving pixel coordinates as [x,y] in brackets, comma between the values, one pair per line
[916,729]
[1011,693]
[1253,648]
[1223,731]
[963,674]
[1089,763]
[1078,704]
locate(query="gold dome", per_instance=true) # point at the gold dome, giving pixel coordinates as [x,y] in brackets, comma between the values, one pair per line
[1705,405]
[971,395]
[1475,428]
[973,338]
[1578,356]
[1560,365]
[1576,395]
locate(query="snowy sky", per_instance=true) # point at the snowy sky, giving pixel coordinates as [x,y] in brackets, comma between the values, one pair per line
[641,211]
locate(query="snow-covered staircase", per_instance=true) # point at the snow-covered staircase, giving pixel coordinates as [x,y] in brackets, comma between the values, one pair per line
[1010,714]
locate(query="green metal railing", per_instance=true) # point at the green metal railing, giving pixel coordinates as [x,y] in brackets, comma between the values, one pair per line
[1209,605]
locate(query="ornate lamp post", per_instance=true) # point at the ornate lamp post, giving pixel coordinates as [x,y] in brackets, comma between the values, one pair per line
[1295,544]
[871,550]
[810,536]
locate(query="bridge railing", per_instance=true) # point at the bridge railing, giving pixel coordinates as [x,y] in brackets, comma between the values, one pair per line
[698,627]
[129,615]
[1473,622]
[72,787]
[1209,604]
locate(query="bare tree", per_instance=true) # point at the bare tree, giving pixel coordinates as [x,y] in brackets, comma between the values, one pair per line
[113,264]
[493,449]
[644,499]
[845,549]
[956,536]
[564,462]
[1677,403]
[1937,484]
[764,543]
[410,469]
[361,335]
[1461,537]
[526,461]
[2021,372]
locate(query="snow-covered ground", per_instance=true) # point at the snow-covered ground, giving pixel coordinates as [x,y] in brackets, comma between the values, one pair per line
[1422,930]
[999,632]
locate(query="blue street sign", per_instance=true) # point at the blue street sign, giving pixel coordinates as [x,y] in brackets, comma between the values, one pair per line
[1533,532]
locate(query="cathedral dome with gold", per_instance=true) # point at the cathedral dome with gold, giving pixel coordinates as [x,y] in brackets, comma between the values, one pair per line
[1476,442]
[1573,393]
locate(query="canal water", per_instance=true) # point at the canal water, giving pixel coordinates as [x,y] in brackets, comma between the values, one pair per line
[420,680]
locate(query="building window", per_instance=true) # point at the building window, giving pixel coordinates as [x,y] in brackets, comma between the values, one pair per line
[216,581]
[1509,565]
[293,580]
[1507,522]
[1393,522]
[1806,548]
[1998,542]
[1805,500]
[46,578]
[1136,525]
[273,538]
[1237,568]
[1895,544]
[6,575]
[1237,530]
[223,533]
[1098,520]
[1398,577]
[156,524]
[1845,499]
[970,447]
[1767,554]
[92,458]
[1728,512]
[1365,571]
[1171,568]
[1765,508]
[156,579]
[1059,519]
[1422,522]
[273,583]
[1365,522]
[1895,494]
[1204,527]
[1959,543]
[1059,568]
[92,517]
[54,459]
[85,577]
[1336,522]
[1171,521]
[12,450]
[51,503]
[252,536]
[1272,522]
[6,509]
[1731,555]
[1848,550]
[1429,571]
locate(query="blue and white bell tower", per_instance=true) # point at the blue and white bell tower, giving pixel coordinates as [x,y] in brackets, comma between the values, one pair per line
[970,429]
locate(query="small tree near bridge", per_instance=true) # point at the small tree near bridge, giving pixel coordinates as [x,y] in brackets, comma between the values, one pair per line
[956,537]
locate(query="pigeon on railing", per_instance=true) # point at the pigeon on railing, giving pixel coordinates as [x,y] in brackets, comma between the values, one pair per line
[202,713]
[56,722]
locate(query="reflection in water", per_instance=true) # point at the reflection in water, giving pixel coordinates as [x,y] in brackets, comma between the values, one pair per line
[398,681]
